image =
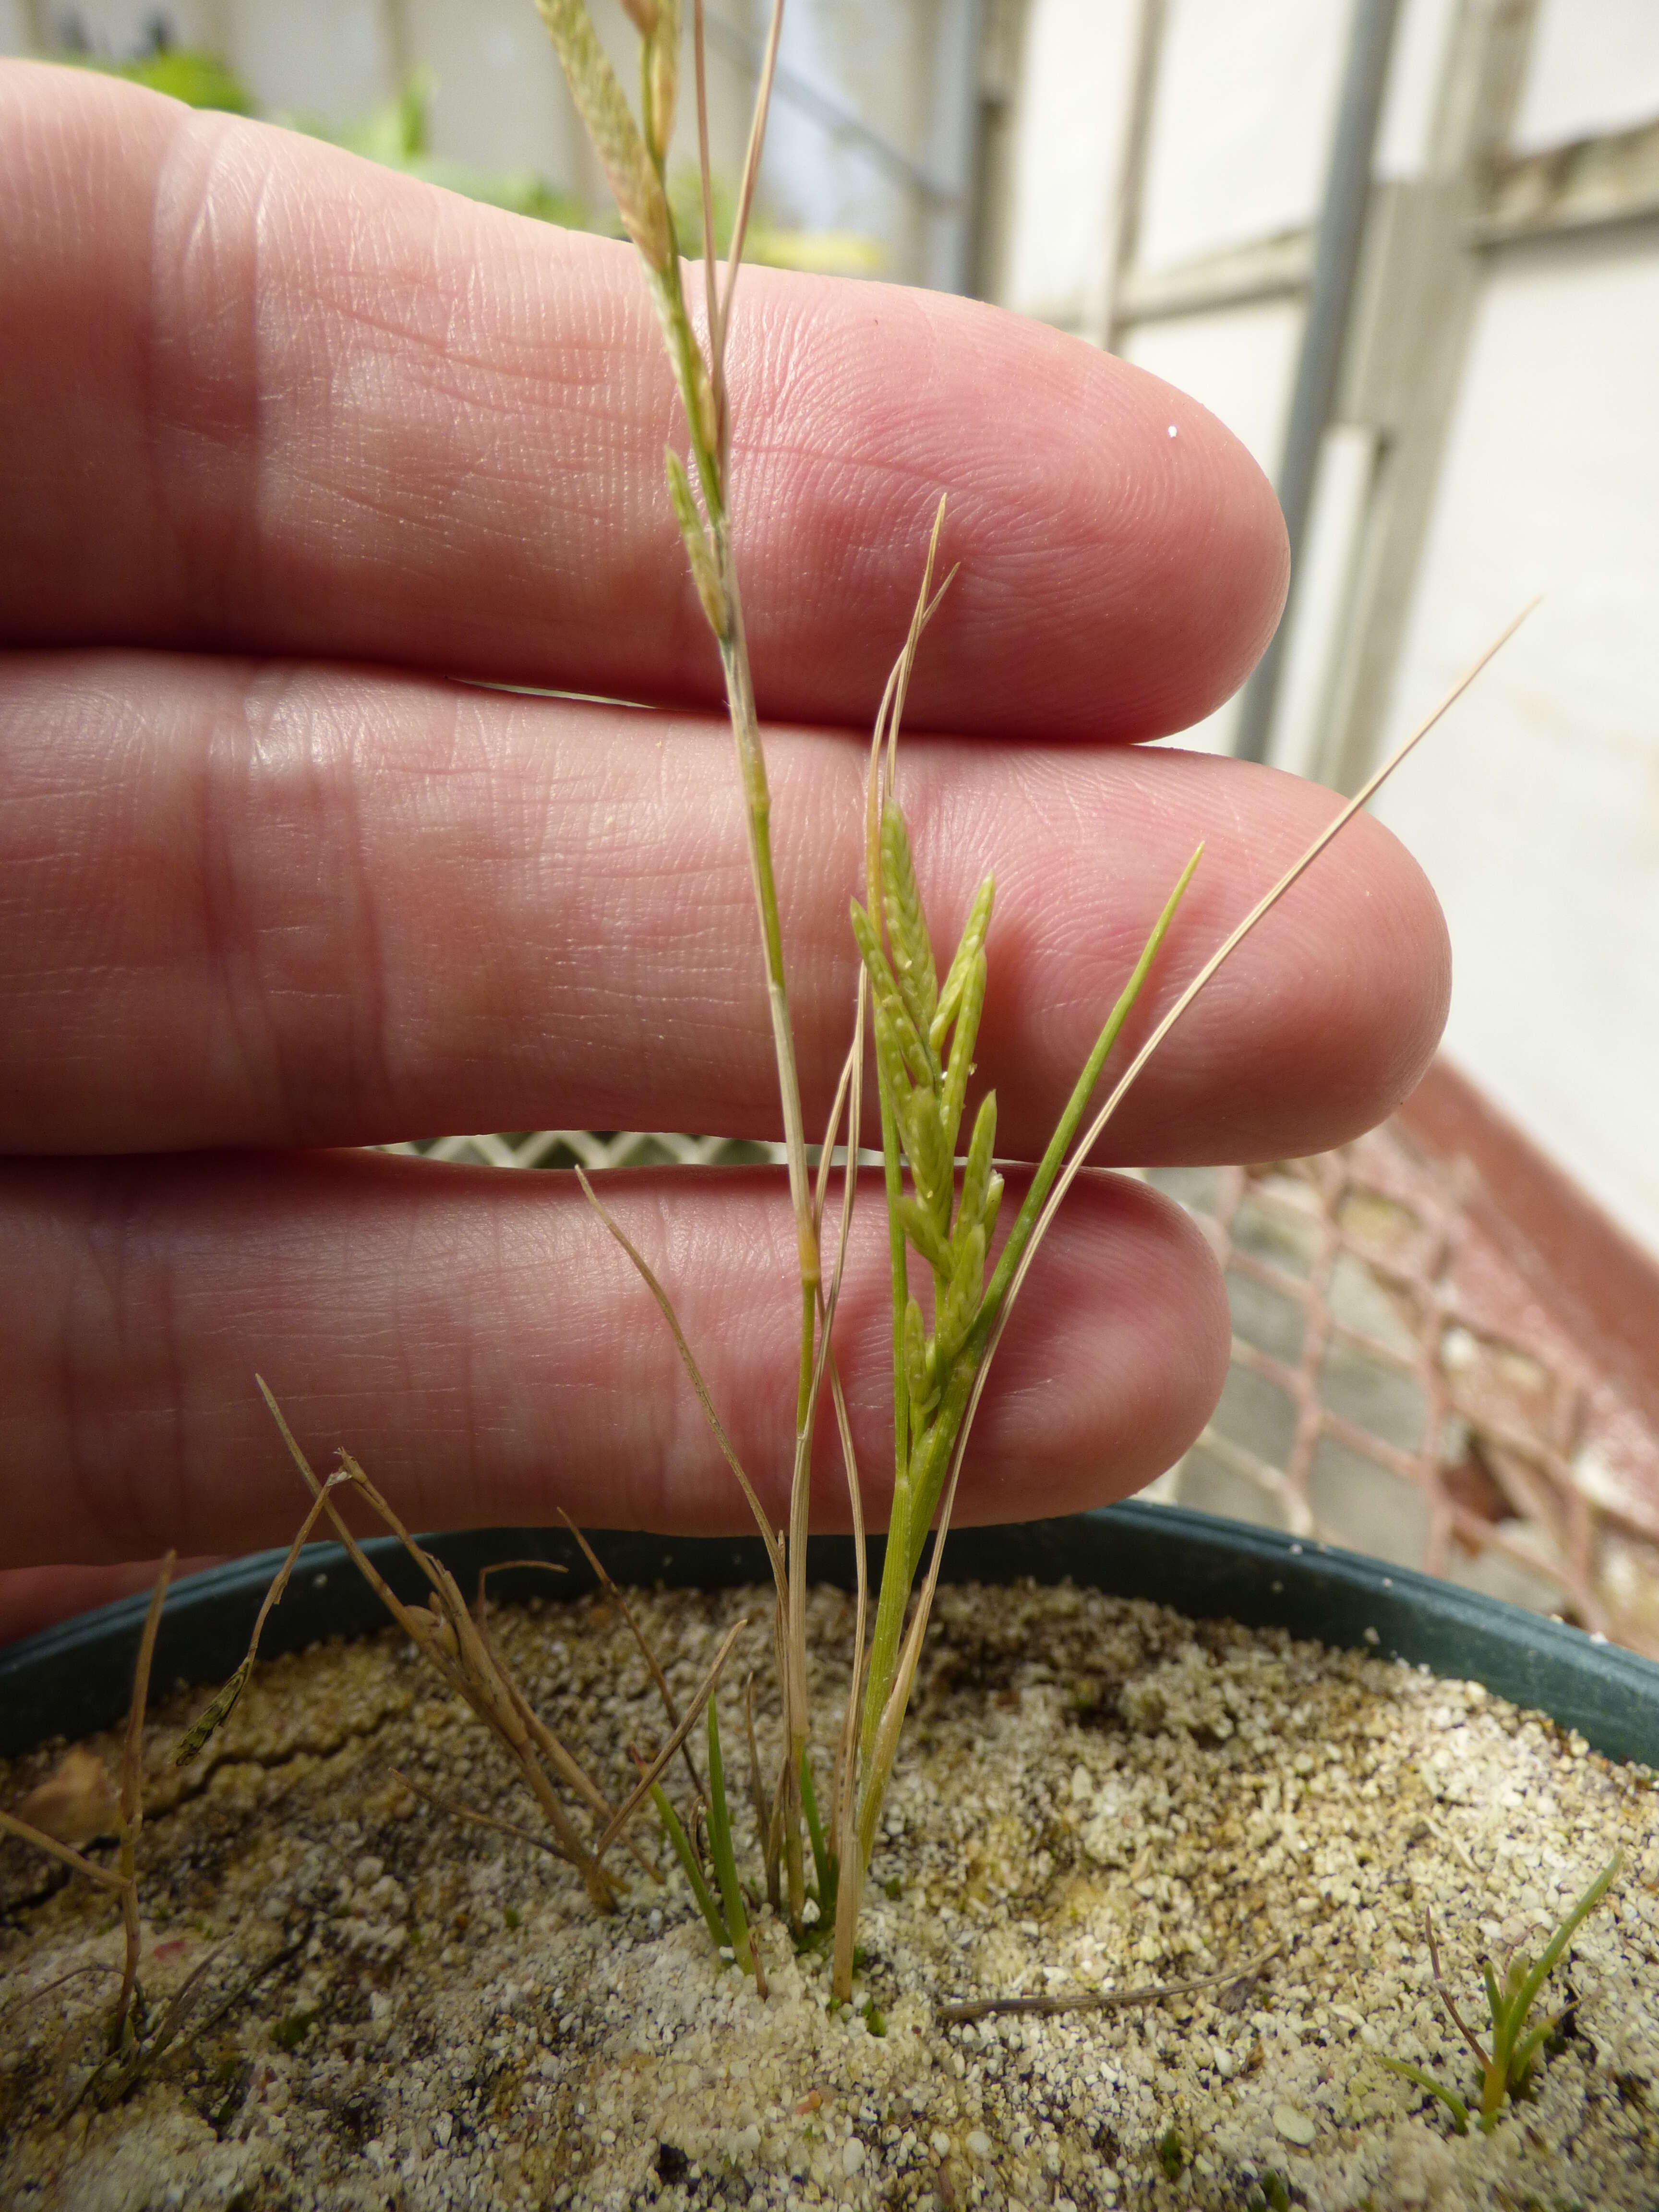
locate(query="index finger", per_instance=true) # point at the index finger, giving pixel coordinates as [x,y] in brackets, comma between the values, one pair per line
[257,395]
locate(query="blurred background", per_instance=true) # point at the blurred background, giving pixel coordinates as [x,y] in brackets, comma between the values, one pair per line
[1408,250]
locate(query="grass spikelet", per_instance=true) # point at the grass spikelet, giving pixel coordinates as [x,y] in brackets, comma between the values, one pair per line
[629,170]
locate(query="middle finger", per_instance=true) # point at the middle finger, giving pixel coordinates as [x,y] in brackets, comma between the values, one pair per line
[246,903]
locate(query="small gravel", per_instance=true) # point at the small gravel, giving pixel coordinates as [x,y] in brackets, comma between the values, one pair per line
[1094,1794]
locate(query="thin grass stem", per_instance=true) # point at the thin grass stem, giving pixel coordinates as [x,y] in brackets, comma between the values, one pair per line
[656,1766]
[815,1830]
[774,1551]
[658,1677]
[751,162]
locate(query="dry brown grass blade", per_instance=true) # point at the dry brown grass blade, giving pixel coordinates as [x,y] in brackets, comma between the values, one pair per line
[926,607]
[565,1764]
[104,1877]
[494,1820]
[507,1566]
[751,162]
[1091,1136]
[132,1797]
[774,1549]
[215,1714]
[451,1642]
[93,1969]
[653,1772]
[1224,952]
[889,712]
[710,266]
[108,2089]
[640,1637]
[132,1748]
[853,1082]
[1099,2000]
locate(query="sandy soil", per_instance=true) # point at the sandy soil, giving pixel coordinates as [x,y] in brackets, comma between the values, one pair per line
[1094,1794]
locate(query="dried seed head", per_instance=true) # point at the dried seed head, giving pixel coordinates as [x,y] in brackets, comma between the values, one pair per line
[214,1716]
[662,78]
[630,171]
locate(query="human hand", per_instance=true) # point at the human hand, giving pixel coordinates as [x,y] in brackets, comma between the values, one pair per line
[289,445]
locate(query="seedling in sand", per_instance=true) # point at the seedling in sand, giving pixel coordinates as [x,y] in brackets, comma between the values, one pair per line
[1507,2059]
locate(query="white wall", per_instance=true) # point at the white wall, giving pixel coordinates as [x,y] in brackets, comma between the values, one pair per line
[1242,122]
[1075,88]
[1536,810]
[1594,66]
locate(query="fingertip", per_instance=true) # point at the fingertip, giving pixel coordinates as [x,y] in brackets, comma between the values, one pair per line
[1117,581]
[1113,1362]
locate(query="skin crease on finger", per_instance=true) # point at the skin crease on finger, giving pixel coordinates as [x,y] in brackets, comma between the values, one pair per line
[260,396]
[489,1354]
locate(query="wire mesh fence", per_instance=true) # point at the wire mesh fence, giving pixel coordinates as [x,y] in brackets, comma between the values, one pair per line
[1395,1387]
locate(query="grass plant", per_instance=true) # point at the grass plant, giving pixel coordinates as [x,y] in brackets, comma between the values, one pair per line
[815,1848]
[1514,2040]
[923,1033]
[456,1643]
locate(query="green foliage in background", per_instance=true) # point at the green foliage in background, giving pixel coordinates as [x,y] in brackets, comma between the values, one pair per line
[199,80]
[398,136]
[826,252]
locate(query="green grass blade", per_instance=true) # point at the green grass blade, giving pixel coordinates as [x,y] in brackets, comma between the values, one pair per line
[1449,2098]
[996,1290]
[822,1865]
[720,1850]
[1550,1959]
[1503,2019]
[1519,2064]
[688,1859]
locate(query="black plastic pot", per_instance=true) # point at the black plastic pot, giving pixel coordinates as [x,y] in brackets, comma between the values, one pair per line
[76,1678]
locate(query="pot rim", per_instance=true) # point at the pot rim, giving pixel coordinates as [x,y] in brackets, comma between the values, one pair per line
[73,1678]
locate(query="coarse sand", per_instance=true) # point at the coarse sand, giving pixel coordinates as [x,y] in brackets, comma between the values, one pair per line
[401,2010]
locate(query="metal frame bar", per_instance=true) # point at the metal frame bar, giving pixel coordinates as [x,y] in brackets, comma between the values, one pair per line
[1589,184]
[1106,316]
[1336,261]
